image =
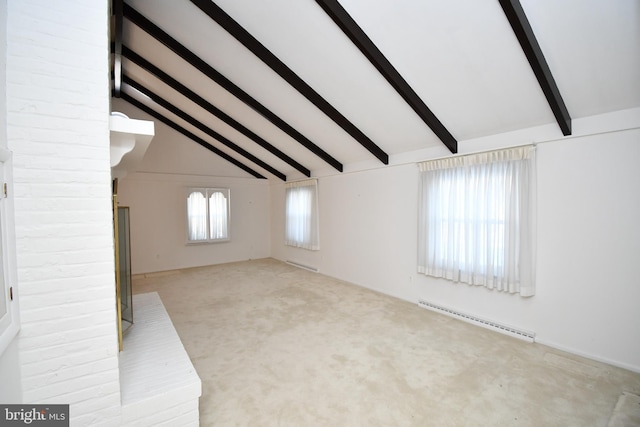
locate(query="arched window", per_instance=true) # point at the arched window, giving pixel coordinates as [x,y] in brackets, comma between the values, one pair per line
[207,215]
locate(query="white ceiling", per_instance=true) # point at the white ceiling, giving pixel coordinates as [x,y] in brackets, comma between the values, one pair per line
[460,56]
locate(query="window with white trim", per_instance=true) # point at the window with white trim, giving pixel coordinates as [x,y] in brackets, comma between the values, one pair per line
[208,215]
[477,219]
[301,214]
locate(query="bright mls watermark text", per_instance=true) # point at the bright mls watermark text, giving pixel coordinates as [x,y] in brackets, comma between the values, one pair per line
[34,415]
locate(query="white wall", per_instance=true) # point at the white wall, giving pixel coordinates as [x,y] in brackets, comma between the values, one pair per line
[157,204]
[156,198]
[58,130]
[589,247]
[367,229]
[587,297]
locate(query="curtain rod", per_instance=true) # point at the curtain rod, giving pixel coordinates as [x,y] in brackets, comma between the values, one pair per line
[473,153]
[533,144]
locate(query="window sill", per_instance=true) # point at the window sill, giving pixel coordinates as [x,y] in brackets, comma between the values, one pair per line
[207,242]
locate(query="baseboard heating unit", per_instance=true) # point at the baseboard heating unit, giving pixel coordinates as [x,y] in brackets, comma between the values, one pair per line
[305,267]
[507,330]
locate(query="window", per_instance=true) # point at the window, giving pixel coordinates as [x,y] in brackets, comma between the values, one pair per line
[9,321]
[476,222]
[207,215]
[301,229]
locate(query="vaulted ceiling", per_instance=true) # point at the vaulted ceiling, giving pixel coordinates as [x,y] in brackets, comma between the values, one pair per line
[283,89]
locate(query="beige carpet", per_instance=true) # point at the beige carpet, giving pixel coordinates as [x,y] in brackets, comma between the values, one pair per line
[275,345]
[627,411]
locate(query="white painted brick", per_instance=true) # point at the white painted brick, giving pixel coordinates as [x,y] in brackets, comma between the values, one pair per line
[69,217]
[75,234]
[45,324]
[82,403]
[56,205]
[56,272]
[88,256]
[99,387]
[74,368]
[93,418]
[100,338]
[55,389]
[91,413]
[79,233]
[85,361]
[90,354]
[35,341]
[57,164]
[45,318]
[155,370]
[61,140]
[181,415]
[75,190]
[57,127]
[92,284]
[59,175]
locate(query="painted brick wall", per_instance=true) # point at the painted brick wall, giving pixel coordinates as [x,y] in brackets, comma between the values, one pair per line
[58,129]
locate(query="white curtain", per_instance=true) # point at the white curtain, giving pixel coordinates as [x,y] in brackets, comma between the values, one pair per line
[197,215]
[217,216]
[301,222]
[477,219]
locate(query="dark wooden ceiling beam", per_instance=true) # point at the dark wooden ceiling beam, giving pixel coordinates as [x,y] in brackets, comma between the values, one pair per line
[131,100]
[359,38]
[157,33]
[199,125]
[197,99]
[236,30]
[524,33]
[117,38]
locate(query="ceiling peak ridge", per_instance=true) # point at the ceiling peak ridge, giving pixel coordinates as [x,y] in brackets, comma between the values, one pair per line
[141,106]
[188,56]
[198,100]
[199,125]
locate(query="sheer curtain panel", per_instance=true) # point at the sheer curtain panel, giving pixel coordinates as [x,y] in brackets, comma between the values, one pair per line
[477,219]
[197,215]
[218,208]
[301,210]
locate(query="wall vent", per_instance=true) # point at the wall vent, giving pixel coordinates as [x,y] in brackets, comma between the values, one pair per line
[508,330]
[305,267]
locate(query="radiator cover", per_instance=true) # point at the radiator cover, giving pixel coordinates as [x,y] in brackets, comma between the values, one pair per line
[494,326]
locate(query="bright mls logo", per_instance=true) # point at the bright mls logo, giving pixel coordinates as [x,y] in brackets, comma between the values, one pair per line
[34,415]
